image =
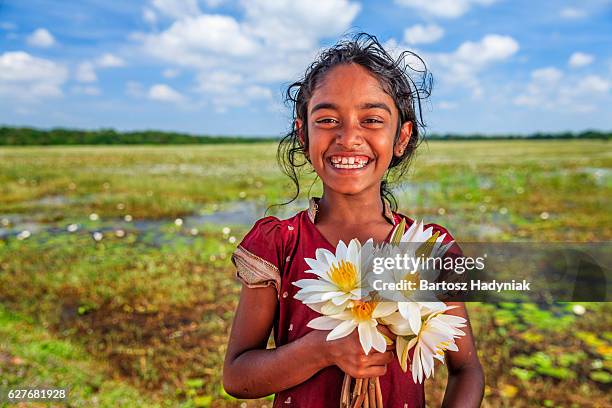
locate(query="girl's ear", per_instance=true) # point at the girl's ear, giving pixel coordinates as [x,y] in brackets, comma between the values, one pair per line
[300,130]
[405,134]
[299,123]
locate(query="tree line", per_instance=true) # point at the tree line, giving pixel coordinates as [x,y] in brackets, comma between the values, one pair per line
[23,136]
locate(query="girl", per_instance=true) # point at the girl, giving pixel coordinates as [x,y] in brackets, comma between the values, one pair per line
[355,105]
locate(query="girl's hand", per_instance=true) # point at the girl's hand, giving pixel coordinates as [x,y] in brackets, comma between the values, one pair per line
[348,354]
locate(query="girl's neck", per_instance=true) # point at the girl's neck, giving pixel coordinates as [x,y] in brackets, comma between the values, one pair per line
[342,209]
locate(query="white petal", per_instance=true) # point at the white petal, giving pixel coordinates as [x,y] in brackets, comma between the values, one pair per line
[378,341]
[365,336]
[411,312]
[341,250]
[329,308]
[330,295]
[321,273]
[384,309]
[338,300]
[317,265]
[326,256]
[353,251]
[343,329]
[323,323]
[417,368]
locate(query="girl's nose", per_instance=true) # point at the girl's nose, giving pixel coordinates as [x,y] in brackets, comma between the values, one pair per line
[349,137]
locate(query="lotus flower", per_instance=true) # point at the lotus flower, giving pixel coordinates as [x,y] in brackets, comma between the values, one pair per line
[436,335]
[413,244]
[340,279]
[362,315]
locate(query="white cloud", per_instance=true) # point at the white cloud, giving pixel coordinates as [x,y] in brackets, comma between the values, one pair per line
[8,25]
[134,89]
[274,30]
[171,73]
[593,84]
[225,89]
[443,8]
[580,59]
[572,13]
[420,34]
[257,92]
[86,90]
[25,77]
[149,16]
[549,89]
[491,48]
[41,37]
[461,67]
[164,93]
[548,75]
[109,61]
[447,105]
[291,25]
[219,82]
[194,41]
[85,72]
[177,8]
[271,41]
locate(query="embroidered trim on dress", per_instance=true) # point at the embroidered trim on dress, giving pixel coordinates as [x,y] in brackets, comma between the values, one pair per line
[254,271]
[313,207]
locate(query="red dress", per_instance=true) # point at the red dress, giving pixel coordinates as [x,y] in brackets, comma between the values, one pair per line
[272,253]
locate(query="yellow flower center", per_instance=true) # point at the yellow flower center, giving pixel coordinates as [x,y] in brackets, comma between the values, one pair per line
[344,275]
[440,347]
[362,311]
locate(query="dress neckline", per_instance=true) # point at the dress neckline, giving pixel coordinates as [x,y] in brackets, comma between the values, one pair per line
[313,208]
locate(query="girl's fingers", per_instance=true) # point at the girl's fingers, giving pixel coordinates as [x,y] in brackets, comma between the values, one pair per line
[378,359]
[373,371]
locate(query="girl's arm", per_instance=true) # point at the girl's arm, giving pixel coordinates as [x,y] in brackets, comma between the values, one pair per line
[251,371]
[465,387]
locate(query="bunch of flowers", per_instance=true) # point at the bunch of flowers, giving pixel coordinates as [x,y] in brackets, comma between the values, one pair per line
[342,293]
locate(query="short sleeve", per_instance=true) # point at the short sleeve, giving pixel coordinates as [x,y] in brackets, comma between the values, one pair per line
[258,257]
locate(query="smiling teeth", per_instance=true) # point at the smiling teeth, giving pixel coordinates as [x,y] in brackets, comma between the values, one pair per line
[348,162]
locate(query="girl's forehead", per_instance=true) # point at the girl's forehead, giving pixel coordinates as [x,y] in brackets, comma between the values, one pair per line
[349,84]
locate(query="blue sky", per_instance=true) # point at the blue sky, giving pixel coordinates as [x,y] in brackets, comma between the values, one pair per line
[219,67]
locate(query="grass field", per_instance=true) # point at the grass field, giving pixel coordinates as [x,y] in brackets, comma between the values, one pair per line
[115,277]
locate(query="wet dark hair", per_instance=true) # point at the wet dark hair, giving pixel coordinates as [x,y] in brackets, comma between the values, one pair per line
[406,83]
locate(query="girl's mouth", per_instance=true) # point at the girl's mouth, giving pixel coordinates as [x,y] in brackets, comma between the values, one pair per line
[349,162]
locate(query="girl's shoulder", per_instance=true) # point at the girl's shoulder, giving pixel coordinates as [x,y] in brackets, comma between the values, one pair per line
[260,256]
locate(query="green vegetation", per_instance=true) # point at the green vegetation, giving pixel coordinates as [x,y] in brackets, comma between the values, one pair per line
[125,272]
[23,136]
[26,136]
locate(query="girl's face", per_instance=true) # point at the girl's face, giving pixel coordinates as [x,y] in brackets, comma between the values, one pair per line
[351,126]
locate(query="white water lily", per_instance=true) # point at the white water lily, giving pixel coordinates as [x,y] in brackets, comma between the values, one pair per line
[414,245]
[340,279]
[361,316]
[436,335]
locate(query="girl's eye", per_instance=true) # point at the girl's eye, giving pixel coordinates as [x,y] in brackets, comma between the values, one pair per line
[373,120]
[326,120]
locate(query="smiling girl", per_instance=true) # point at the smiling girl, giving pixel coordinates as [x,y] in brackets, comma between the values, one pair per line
[354,121]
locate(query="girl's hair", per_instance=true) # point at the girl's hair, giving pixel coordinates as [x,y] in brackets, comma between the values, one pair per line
[395,76]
